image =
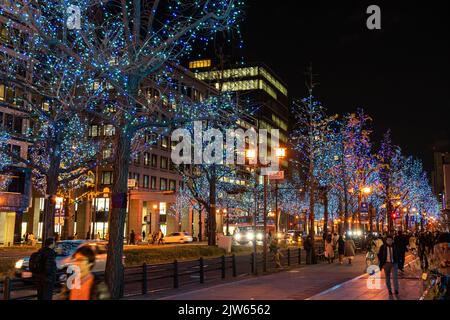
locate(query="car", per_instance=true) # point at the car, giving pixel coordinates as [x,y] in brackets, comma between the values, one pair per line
[64,254]
[294,237]
[178,237]
[246,235]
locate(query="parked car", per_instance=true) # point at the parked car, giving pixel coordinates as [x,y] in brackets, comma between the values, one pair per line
[64,255]
[178,237]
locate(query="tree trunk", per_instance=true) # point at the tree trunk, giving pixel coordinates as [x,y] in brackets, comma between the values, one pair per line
[212,209]
[67,220]
[311,211]
[325,211]
[50,200]
[200,225]
[114,266]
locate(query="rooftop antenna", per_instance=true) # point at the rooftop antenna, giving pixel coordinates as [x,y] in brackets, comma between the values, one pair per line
[310,82]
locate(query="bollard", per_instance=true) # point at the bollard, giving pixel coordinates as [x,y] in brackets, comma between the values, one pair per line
[202,270]
[144,278]
[7,289]
[175,274]
[289,256]
[223,267]
[299,256]
[234,265]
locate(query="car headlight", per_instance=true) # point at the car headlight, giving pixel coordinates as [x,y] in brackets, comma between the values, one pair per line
[350,233]
[250,236]
[279,235]
[359,233]
[237,236]
[259,236]
[19,264]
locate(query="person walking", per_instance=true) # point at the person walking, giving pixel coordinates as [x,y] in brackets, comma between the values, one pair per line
[401,244]
[388,257]
[277,255]
[160,237]
[143,235]
[349,249]
[308,249]
[132,237]
[88,286]
[43,266]
[341,247]
[329,249]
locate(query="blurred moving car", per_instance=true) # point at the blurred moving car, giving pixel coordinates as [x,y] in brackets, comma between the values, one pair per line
[246,235]
[64,254]
[178,237]
[294,237]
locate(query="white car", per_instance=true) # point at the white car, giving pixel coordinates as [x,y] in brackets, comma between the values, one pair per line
[64,255]
[178,237]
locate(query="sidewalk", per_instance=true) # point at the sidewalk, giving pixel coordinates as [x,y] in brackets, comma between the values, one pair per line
[311,282]
[294,284]
[363,288]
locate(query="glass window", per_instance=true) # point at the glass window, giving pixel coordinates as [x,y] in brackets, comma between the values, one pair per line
[93,131]
[153,183]
[164,163]
[107,177]
[109,130]
[163,184]
[154,161]
[146,159]
[172,185]
[146,181]
[165,142]
[107,153]
[2,92]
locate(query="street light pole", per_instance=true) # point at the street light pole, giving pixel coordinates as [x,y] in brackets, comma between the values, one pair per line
[276,207]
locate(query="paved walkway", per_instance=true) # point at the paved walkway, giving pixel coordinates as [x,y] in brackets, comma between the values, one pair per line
[312,282]
[294,284]
[374,288]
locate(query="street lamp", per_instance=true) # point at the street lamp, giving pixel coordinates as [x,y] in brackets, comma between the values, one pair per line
[280,153]
[252,156]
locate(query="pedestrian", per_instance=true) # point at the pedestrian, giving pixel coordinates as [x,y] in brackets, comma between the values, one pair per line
[378,244]
[401,244]
[308,249]
[329,250]
[388,257]
[88,235]
[75,236]
[269,236]
[277,255]
[160,237]
[143,235]
[43,266]
[32,239]
[25,238]
[413,244]
[88,286]
[132,237]
[341,248]
[422,251]
[349,249]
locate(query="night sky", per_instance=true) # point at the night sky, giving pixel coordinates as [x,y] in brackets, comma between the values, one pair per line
[400,74]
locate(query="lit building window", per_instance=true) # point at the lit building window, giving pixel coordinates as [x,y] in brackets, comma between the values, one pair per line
[199,64]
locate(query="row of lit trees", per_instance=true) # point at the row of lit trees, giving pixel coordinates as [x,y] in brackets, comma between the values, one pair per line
[103,68]
[343,172]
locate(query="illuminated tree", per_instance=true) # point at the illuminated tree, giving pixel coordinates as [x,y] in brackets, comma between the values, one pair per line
[116,55]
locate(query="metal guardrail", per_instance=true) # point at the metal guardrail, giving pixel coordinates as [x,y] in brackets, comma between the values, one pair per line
[175,274]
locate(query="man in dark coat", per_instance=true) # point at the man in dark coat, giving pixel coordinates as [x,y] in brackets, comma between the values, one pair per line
[402,246]
[389,256]
[308,249]
[132,237]
[46,278]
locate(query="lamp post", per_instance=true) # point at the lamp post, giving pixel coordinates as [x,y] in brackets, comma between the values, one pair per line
[252,154]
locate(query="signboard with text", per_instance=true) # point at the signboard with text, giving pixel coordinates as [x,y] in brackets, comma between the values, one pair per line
[276,175]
